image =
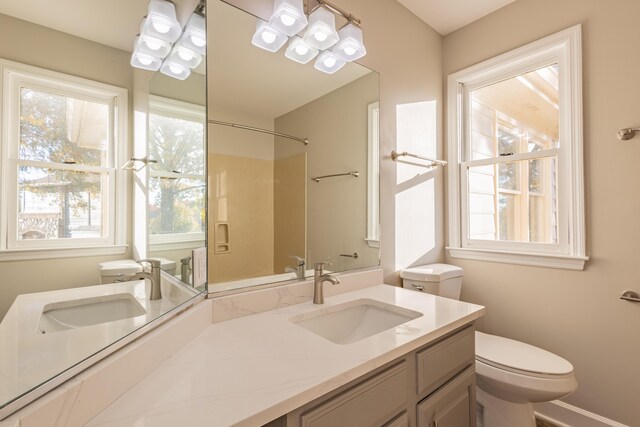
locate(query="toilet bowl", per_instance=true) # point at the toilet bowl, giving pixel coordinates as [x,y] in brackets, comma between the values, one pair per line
[510,375]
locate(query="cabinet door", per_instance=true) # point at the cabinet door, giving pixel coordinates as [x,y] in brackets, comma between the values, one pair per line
[451,406]
[371,403]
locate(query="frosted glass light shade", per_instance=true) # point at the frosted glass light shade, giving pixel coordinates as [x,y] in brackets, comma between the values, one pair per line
[152,46]
[299,51]
[321,33]
[194,36]
[267,37]
[350,47]
[175,70]
[184,56]
[288,17]
[145,61]
[328,62]
[161,21]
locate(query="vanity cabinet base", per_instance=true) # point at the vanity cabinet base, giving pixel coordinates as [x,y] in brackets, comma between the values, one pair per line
[431,386]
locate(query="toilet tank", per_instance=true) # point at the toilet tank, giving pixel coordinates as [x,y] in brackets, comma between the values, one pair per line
[112,270]
[439,279]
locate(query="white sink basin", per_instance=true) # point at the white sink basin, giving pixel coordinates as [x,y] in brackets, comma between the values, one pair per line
[355,320]
[71,314]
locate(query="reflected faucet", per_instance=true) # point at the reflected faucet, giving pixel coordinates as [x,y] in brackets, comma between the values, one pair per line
[299,270]
[153,276]
[318,279]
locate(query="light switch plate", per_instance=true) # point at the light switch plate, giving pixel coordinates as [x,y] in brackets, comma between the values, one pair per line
[199,257]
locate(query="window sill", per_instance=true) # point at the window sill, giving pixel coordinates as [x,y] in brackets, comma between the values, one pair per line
[34,254]
[372,243]
[564,262]
[170,246]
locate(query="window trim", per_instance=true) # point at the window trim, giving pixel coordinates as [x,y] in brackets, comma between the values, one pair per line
[12,73]
[564,48]
[186,111]
[373,175]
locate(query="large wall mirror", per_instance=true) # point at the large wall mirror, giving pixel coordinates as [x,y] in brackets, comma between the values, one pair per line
[274,201]
[59,313]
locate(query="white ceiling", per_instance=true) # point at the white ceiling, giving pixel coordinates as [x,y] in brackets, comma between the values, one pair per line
[446,16]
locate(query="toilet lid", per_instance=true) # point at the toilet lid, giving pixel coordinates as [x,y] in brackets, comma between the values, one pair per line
[515,355]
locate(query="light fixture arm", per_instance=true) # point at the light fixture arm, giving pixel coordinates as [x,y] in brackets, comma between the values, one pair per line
[314,4]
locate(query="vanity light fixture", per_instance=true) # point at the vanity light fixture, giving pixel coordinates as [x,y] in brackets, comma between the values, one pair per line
[321,33]
[289,19]
[175,70]
[268,38]
[154,47]
[194,36]
[299,51]
[328,62]
[161,21]
[145,61]
[350,47]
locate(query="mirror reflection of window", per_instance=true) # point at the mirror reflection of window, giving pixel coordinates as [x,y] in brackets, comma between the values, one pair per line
[177,180]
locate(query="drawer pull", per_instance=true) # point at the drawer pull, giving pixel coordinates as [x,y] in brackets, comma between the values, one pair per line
[418,287]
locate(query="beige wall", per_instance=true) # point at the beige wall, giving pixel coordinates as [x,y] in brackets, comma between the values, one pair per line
[34,45]
[336,124]
[577,315]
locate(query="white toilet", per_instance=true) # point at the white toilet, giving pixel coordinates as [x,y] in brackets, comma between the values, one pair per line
[510,375]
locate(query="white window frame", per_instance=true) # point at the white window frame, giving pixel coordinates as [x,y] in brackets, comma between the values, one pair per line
[373,175]
[180,110]
[14,77]
[563,48]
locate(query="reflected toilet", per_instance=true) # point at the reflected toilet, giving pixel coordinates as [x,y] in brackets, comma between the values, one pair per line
[510,375]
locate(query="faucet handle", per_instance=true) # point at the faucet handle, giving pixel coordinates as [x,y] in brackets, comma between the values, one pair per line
[154,262]
[298,259]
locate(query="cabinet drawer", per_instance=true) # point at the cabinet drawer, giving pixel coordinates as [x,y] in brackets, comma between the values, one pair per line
[441,362]
[451,406]
[371,403]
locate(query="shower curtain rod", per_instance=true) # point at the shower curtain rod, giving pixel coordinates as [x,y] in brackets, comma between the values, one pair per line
[305,141]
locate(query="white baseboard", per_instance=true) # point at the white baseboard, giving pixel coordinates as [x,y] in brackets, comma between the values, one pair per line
[564,415]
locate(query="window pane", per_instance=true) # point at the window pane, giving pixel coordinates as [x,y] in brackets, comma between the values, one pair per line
[176,205]
[519,114]
[62,129]
[508,176]
[177,144]
[57,204]
[524,197]
[507,220]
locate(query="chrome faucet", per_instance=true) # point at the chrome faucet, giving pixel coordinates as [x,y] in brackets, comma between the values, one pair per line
[153,276]
[299,270]
[318,279]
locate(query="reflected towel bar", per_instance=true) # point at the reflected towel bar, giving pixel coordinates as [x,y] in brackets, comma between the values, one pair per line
[627,133]
[305,141]
[630,296]
[434,162]
[354,174]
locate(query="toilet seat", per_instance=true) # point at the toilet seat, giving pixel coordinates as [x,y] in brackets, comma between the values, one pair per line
[521,358]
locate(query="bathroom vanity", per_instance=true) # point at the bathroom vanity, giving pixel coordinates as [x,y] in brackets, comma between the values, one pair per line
[268,369]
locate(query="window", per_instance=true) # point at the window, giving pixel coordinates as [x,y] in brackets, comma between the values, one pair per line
[373,175]
[177,181]
[515,134]
[62,140]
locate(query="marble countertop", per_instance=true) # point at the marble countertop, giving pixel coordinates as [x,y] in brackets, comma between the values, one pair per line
[29,358]
[251,370]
